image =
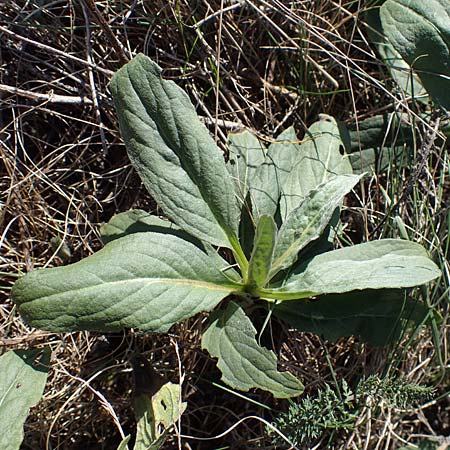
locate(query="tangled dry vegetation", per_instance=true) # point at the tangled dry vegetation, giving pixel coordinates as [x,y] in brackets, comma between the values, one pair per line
[264,65]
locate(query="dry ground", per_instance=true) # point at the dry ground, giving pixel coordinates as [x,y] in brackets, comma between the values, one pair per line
[263,64]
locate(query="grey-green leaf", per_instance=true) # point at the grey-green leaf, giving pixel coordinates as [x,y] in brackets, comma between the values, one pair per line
[22,382]
[243,363]
[399,69]
[318,160]
[420,31]
[376,317]
[379,141]
[124,444]
[136,221]
[156,416]
[308,221]
[261,258]
[148,281]
[247,153]
[139,221]
[372,160]
[146,434]
[174,154]
[388,263]
[167,405]
[271,175]
[382,130]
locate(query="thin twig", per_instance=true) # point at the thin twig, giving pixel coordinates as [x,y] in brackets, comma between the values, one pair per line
[104,25]
[55,51]
[92,82]
[49,98]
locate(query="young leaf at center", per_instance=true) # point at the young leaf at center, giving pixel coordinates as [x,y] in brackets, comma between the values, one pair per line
[264,244]
[307,222]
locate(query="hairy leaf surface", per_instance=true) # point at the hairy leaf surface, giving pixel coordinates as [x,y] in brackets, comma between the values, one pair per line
[22,382]
[420,31]
[388,263]
[308,221]
[272,174]
[318,160]
[247,153]
[147,281]
[138,221]
[261,259]
[243,363]
[399,69]
[377,316]
[174,154]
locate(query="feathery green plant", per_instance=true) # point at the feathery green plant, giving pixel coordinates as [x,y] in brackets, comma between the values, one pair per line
[332,410]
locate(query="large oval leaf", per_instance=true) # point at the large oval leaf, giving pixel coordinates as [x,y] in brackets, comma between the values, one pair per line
[388,263]
[147,281]
[318,160]
[174,154]
[420,31]
[243,363]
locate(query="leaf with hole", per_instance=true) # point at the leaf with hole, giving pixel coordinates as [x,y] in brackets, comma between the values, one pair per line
[318,160]
[155,416]
[247,154]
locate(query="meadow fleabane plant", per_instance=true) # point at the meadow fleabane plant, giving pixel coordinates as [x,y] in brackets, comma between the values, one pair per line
[271,208]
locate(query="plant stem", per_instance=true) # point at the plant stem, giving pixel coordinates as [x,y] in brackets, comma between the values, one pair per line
[275,295]
[240,258]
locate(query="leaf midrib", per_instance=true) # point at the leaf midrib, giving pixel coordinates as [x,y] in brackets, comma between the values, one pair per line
[173,147]
[278,263]
[195,283]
